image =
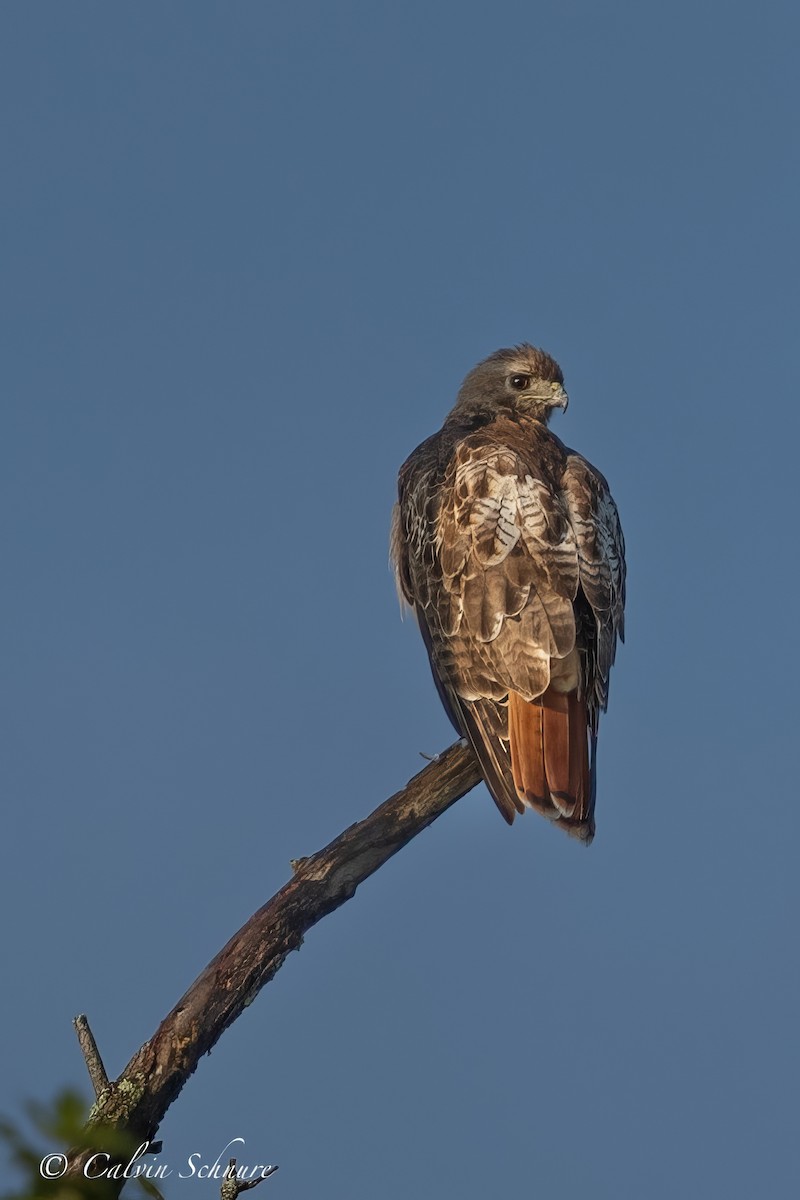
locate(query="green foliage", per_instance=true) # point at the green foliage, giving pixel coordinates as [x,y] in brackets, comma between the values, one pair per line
[47,1135]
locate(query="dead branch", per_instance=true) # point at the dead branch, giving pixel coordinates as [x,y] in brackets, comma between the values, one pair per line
[232,1186]
[91,1055]
[139,1099]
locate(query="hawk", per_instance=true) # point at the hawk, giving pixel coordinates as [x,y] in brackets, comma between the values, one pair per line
[507,545]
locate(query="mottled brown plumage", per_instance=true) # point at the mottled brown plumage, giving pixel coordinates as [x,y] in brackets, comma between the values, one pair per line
[507,546]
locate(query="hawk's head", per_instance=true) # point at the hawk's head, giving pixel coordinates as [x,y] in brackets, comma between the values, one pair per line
[520,381]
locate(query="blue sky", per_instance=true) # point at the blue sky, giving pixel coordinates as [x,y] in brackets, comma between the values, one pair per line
[249,252]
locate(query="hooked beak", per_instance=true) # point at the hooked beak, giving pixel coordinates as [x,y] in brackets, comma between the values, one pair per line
[560,398]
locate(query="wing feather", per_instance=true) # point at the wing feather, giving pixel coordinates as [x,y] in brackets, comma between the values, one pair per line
[601,565]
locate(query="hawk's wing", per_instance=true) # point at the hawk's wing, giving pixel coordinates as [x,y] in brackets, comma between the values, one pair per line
[601,562]
[488,554]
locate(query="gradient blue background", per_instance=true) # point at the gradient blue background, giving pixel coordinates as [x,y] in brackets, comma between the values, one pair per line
[249,251]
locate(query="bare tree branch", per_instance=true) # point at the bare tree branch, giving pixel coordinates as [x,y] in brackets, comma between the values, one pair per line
[91,1055]
[138,1100]
[231,1186]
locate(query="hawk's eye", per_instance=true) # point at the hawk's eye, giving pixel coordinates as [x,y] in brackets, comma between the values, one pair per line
[519,382]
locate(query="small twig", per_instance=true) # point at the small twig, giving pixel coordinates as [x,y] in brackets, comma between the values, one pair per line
[231,1186]
[91,1055]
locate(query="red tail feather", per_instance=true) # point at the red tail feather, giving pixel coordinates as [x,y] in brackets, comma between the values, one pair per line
[549,743]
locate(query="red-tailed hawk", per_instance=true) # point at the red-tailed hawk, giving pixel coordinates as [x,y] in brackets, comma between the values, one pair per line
[507,545]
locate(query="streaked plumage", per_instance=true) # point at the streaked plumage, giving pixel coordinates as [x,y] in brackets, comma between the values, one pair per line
[507,545]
